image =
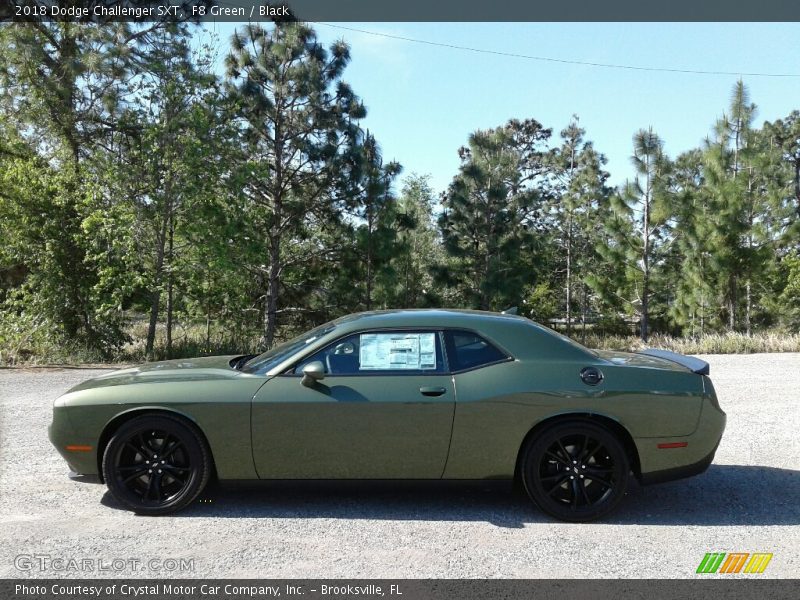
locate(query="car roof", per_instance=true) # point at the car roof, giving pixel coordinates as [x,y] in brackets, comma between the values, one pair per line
[423,317]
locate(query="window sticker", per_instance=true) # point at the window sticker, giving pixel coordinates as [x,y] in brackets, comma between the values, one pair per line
[397,351]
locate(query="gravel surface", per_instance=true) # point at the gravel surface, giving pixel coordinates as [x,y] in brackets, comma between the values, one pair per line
[748,501]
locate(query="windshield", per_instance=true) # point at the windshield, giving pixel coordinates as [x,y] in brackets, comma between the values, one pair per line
[270,358]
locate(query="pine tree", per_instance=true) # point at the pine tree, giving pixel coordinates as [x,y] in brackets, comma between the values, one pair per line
[780,147]
[581,190]
[644,203]
[735,203]
[376,231]
[693,309]
[297,118]
[491,213]
[419,248]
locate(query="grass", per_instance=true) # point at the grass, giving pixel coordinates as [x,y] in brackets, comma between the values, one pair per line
[196,340]
[715,343]
[187,341]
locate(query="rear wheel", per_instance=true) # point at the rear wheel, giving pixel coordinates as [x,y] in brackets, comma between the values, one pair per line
[576,471]
[156,464]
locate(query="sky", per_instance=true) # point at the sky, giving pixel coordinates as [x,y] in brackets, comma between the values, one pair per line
[423,101]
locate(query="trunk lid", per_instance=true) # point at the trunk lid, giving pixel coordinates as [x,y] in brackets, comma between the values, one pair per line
[656,359]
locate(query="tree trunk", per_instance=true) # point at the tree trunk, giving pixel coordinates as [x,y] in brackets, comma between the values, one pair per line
[646,254]
[161,239]
[369,258]
[645,308]
[797,186]
[408,276]
[748,308]
[273,285]
[748,295]
[275,234]
[569,274]
[170,281]
[583,314]
[155,298]
[569,245]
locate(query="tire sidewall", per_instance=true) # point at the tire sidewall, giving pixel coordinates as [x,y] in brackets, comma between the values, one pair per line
[198,460]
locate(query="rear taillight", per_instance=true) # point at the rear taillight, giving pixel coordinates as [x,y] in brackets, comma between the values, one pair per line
[710,393]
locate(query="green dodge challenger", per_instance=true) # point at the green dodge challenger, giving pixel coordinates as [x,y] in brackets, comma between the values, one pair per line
[404,394]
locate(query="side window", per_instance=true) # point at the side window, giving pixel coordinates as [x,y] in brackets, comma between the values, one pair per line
[381,352]
[467,350]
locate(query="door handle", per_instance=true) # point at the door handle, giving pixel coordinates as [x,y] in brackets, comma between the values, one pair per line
[432,391]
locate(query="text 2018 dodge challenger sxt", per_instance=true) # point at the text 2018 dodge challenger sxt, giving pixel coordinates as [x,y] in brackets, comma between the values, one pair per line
[406,394]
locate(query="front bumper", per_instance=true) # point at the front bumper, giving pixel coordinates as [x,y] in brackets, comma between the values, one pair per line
[63,436]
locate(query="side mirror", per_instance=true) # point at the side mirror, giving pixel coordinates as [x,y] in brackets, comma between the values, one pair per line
[313,372]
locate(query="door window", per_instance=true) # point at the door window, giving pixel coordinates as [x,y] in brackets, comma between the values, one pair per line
[380,352]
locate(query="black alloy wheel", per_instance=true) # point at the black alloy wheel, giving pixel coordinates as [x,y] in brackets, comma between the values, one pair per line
[156,464]
[576,471]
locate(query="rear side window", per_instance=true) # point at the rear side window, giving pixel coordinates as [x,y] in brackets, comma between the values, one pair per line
[468,350]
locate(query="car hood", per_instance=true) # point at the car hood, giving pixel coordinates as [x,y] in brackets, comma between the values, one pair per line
[631,359]
[184,369]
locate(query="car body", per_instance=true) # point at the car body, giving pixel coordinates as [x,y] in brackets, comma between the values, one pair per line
[403,394]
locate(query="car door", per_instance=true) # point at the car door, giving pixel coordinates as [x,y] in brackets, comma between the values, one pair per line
[384,410]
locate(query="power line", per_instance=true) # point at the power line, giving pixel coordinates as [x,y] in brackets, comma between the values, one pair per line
[558,60]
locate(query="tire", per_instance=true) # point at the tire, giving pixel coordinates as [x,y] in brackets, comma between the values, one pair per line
[576,471]
[156,464]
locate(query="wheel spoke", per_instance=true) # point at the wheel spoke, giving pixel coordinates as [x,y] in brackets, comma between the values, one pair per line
[599,480]
[145,447]
[176,469]
[134,448]
[560,459]
[574,486]
[134,475]
[157,487]
[149,489]
[137,466]
[567,455]
[177,473]
[168,452]
[593,452]
[557,486]
[582,485]
[599,470]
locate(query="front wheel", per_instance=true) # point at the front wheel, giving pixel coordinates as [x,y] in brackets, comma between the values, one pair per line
[576,471]
[156,464]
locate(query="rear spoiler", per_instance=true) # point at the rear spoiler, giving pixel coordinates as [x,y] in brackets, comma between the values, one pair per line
[695,365]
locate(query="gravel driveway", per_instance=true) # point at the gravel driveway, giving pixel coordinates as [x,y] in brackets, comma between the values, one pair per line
[748,501]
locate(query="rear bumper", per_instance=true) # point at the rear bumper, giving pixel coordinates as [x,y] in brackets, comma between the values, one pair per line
[680,472]
[695,454]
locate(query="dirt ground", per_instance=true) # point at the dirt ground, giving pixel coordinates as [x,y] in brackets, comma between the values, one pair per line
[748,501]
